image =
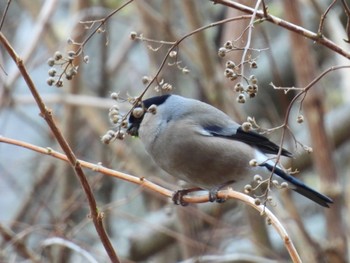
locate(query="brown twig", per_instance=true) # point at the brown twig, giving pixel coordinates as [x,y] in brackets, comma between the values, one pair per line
[264,8]
[323,18]
[347,12]
[225,194]
[287,25]
[47,115]
[102,22]
[20,246]
[4,14]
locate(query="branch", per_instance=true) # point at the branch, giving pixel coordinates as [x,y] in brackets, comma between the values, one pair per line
[323,18]
[5,13]
[68,244]
[46,13]
[287,25]
[47,115]
[225,194]
[102,22]
[19,245]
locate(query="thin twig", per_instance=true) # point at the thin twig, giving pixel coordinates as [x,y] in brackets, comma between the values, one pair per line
[296,97]
[287,25]
[5,13]
[102,22]
[68,244]
[347,12]
[249,36]
[19,245]
[45,14]
[323,18]
[264,8]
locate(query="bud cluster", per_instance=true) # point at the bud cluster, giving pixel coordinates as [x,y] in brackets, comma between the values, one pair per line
[67,68]
[233,72]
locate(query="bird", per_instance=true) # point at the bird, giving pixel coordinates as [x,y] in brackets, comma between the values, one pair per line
[200,144]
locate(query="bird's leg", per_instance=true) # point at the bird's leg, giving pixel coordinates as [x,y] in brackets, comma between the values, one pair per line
[213,193]
[179,194]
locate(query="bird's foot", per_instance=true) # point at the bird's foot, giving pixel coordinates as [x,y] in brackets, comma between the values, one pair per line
[179,194]
[213,193]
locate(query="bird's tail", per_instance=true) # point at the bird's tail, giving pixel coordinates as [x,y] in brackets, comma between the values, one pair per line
[299,186]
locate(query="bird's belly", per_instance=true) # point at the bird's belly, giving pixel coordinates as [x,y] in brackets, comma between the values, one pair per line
[209,167]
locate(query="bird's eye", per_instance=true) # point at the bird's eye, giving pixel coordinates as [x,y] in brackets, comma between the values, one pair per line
[138,112]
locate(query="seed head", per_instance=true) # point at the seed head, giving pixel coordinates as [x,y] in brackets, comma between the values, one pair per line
[222,52]
[138,112]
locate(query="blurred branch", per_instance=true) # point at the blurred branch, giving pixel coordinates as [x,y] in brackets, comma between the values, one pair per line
[47,115]
[347,12]
[157,237]
[312,104]
[18,244]
[5,13]
[223,194]
[287,25]
[70,99]
[68,244]
[102,22]
[44,17]
[211,86]
[239,257]
[37,198]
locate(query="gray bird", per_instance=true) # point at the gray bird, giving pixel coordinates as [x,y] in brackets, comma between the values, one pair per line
[203,146]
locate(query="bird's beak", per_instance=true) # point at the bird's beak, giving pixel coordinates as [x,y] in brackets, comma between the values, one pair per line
[133,129]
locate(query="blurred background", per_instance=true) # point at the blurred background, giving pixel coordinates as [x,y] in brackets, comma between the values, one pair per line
[41,198]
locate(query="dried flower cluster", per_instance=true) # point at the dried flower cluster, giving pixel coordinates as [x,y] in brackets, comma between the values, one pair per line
[66,69]
[245,86]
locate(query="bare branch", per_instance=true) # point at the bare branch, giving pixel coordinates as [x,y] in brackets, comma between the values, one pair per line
[323,18]
[5,13]
[287,25]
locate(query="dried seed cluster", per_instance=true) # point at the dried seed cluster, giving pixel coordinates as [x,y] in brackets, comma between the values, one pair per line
[233,72]
[163,87]
[66,68]
[250,90]
[117,119]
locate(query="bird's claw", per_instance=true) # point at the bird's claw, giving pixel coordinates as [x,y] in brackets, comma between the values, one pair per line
[213,196]
[179,194]
[213,193]
[178,197]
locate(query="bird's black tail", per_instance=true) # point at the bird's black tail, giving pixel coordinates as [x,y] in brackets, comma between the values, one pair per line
[299,186]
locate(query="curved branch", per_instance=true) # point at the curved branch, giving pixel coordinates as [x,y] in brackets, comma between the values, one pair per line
[225,194]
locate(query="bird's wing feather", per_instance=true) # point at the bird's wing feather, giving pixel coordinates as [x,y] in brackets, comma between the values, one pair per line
[299,186]
[252,138]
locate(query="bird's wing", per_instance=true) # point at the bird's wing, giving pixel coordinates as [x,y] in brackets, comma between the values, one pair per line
[252,138]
